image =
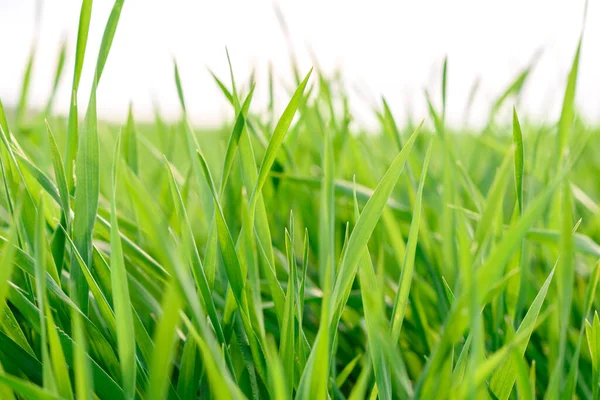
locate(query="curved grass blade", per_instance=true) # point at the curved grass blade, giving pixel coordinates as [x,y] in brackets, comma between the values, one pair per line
[364,228]
[276,140]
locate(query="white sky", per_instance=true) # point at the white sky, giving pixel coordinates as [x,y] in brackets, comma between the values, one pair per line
[394,48]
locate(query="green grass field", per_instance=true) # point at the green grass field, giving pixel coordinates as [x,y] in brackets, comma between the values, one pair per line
[291,256]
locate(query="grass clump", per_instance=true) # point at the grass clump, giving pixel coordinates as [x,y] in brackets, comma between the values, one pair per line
[295,257]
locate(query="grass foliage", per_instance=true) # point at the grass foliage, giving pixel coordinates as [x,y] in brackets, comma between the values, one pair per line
[293,256]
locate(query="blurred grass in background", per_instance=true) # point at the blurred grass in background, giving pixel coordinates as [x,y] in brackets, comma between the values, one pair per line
[293,256]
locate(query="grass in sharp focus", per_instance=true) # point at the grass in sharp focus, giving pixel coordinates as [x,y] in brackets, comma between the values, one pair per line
[294,256]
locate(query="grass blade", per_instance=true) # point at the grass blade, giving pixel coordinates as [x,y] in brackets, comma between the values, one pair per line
[120,292]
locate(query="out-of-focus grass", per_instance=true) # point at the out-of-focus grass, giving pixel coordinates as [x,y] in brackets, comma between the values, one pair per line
[294,256]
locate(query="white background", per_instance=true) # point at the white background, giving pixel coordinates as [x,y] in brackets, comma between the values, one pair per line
[391,48]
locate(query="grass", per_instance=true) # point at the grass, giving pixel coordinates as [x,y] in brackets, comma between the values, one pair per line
[294,255]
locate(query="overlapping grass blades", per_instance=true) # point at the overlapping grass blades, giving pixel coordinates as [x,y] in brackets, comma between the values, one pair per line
[197,263]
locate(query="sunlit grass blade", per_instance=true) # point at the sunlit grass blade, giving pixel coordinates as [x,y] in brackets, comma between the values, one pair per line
[571,382]
[86,201]
[27,389]
[120,292]
[493,201]
[364,228]
[164,342]
[276,140]
[59,363]
[236,276]
[198,268]
[84,384]
[6,266]
[73,120]
[375,323]
[406,276]
[107,37]
[519,168]
[327,210]
[504,378]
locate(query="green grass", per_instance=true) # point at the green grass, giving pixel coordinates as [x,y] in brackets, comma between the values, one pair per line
[295,255]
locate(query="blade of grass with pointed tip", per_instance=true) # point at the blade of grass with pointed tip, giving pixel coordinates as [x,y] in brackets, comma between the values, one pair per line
[504,378]
[24,94]
[73,119]
[86,200]
[514,88]
[364,228]
[407,272]
[108,36]
[88,169]
[234,139]
[568,108]
[486,275]
[518,151]
[60,64]
[130,142]
[444,87]
[276,140]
